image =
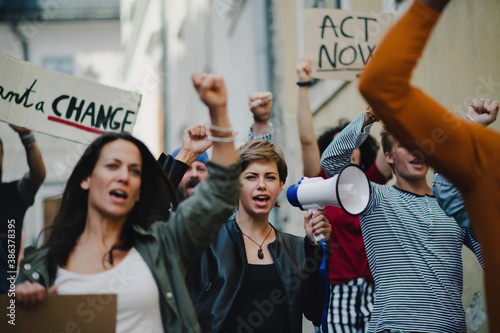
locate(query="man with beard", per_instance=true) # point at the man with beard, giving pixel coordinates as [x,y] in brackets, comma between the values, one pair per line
[196,173]
[15,198]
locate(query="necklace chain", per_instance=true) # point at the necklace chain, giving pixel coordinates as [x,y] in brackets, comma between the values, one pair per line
[260,254]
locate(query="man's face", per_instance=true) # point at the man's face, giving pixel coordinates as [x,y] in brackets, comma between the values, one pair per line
[196,173]
[405,164]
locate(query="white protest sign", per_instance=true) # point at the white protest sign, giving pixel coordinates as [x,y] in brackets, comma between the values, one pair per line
[62,105]
[340,42]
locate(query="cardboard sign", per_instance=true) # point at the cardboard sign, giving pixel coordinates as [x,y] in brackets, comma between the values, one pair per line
[62,105]
[61,314]
[340,42]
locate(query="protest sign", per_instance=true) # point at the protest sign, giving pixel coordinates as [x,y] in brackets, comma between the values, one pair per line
[62,105]
[340,42]
[61,313]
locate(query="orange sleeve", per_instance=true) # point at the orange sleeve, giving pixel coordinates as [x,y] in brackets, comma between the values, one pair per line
[420,123]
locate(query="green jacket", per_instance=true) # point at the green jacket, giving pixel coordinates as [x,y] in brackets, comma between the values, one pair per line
[170,247]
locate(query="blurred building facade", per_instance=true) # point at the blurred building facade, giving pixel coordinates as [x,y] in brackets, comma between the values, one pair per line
[74,37]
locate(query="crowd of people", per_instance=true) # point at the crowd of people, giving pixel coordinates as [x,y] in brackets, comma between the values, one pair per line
[192,234]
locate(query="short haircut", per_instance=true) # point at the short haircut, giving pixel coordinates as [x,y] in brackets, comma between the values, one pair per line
[368,148]
[387,141]
[263,150]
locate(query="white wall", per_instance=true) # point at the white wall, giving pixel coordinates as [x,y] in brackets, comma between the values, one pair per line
[207,44]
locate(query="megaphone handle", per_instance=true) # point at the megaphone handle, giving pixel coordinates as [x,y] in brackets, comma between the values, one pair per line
[319,237]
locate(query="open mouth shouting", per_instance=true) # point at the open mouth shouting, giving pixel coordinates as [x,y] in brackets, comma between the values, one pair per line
[418,164]
[261,200]
[118,195]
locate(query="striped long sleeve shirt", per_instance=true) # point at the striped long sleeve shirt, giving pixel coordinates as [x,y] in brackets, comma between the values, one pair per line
[413,249]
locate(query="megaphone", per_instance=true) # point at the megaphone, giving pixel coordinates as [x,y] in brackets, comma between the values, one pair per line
[349,190]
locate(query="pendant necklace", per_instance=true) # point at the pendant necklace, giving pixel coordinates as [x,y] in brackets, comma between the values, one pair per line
[260,254]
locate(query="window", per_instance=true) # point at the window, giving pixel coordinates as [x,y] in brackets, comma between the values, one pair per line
[60,64]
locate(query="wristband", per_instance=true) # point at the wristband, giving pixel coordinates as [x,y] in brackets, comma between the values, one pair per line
[220,129]
[219,138]
[28,140]
[304,83]
[370,115]
[467,116]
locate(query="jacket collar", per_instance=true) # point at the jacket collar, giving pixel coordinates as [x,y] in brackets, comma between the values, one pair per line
[235,231]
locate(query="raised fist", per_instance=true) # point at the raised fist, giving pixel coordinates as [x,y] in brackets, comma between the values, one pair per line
[260,104]
[303,69]
[211,89]
[483,111]
[193,140]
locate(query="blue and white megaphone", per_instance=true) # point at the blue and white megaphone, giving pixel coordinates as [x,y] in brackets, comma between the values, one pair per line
[349,190]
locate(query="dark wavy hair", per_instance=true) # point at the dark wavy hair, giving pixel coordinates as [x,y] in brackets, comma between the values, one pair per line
[368,148]
[157,195]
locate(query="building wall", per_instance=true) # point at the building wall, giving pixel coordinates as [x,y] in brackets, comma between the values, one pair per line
[141,69]
[220,37]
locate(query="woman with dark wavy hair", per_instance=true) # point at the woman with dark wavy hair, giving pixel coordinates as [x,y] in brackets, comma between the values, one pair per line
[105,239]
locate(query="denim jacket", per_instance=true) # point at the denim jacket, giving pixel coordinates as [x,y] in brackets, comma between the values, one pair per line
[450,199]
[168,248]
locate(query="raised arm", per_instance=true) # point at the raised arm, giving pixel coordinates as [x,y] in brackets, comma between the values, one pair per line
[416,120]
[194,143]
[260,104]
[482,111]
[198,218]
[212,92]
[32,181]
[310,150]
[339,152]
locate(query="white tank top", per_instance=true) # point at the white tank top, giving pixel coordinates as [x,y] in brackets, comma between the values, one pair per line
[138,308]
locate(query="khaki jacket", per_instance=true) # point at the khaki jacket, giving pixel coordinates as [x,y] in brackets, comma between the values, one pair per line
[170,247]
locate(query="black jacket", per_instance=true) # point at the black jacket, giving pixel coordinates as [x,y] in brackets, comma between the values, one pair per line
[214,281]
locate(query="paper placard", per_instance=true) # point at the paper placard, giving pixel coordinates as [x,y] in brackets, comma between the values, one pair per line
[61,314]
[340,42]
[61,105]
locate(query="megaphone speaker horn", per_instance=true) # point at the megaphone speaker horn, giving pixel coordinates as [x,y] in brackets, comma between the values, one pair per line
[349,190]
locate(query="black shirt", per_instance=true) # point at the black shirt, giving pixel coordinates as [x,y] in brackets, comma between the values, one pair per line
[260,306]
[13,206]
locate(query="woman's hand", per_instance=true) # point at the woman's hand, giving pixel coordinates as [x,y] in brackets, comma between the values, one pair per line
[211,89]
[316,223]
[30,295]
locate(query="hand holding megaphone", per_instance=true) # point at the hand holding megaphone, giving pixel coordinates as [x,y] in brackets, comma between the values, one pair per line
[316,225]
[349,190]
